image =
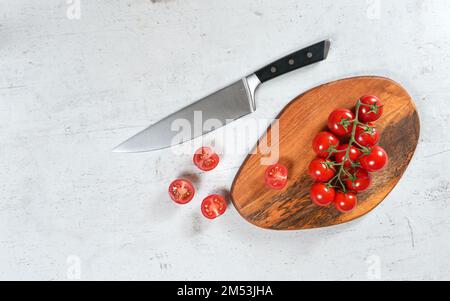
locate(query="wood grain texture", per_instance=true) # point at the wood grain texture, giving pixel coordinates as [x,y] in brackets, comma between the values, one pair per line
[299,122]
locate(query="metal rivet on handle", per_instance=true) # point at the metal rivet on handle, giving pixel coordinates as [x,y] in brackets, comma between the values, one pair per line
[309,54]
[273,69]
[291,62]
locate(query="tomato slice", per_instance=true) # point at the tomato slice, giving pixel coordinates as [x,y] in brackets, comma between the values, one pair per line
[181,191]
[276,176]
[205,158]
[213,206]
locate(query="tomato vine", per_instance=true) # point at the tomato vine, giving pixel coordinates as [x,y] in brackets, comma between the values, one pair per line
[338,177]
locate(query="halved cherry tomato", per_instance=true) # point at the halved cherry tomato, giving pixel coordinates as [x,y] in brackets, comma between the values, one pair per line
[181,191]
[345,202]
[359,180]
[353,154]
[375,160]
[340,121]
[213,206]
[321,170]
[371,108]
[275,176]
[205,158]
[323,142]
[366,135]
[321,194]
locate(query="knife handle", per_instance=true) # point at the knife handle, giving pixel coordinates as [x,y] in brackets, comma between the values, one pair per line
[304,57]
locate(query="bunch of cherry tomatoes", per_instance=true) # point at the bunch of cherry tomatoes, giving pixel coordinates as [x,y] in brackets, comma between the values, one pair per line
[347,154]
[182,191]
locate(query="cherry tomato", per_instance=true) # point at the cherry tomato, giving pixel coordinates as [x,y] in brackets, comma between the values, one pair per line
[375,160]
[345,202]
[366,135]
[371,108]
[322,143]
[181,191]
[205,158]
[359,180]
[321,170]
[321,194]
[213,206]
[353,155]
[276,176]
[340,121]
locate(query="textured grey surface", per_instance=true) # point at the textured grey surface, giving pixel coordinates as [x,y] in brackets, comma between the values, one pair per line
[72,88]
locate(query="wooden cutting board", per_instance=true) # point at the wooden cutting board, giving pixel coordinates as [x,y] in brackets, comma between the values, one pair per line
[299,122]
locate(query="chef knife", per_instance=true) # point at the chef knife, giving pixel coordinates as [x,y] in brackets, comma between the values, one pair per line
[223,106]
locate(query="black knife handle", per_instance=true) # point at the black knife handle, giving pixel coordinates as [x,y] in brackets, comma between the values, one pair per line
[296,60]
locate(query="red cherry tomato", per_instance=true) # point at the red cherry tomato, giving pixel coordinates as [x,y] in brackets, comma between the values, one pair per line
[181,191]
[359,180]
[345,202]
[371,108]
[275,176]
[322,143]
[321,170]
[213,206]
[205,158]
[352,156]
[321,194]
[366,135]
[375,160]
[340,121]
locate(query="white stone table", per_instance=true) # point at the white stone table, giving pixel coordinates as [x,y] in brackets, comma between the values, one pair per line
[78,77]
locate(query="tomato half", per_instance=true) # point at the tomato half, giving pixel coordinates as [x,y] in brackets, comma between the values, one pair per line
[375,160]
[181,191]
[213,206]
[367,135]
[353,154]
[205,158]
[323,142]
[321,194]
[321,170]
[359,180]
[345,202]
[371,108]
[340,121]
[275,176]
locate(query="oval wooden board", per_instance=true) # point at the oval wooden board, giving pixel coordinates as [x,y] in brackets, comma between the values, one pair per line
[299,122]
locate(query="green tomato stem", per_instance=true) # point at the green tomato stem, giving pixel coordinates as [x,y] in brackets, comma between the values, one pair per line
[347,151]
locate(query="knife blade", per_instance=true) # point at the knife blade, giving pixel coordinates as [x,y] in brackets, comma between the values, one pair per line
[221,107]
